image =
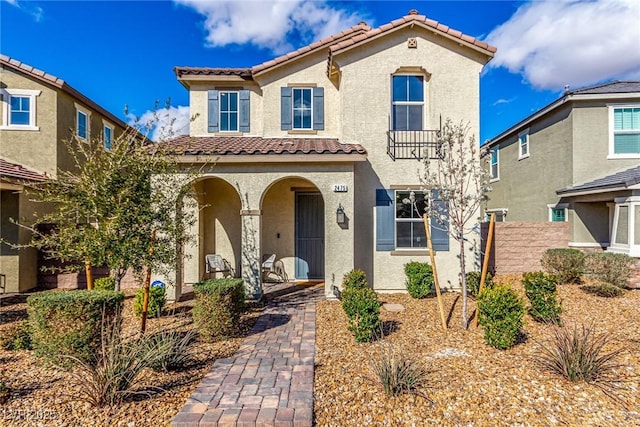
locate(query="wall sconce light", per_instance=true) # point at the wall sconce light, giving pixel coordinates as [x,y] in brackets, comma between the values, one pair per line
[340,216]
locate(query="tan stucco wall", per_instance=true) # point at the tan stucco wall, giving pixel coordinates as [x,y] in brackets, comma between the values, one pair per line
[32,149]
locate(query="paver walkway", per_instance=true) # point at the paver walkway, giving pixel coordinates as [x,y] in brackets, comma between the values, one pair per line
[269,381]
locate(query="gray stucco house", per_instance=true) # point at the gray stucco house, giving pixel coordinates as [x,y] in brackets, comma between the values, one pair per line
[575,160]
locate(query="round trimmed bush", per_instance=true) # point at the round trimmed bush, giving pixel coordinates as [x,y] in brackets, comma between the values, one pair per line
[363,310]
[355,279]
[566,264]
[419,279]
[542,293]
[218,306]
[104,284]
[500,314]
[157,301]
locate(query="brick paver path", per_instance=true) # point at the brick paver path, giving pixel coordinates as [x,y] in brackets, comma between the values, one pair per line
[269,381]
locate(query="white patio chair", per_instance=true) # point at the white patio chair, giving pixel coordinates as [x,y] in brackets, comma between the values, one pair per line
[272,266]
[214,263]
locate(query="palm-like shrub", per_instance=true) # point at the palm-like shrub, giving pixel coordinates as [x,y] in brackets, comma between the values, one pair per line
[398,373]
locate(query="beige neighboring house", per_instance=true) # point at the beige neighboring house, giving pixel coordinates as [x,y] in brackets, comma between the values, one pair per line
[38,112]
[314,152]
[576,160]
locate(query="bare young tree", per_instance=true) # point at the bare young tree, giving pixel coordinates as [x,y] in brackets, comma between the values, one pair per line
[462,184]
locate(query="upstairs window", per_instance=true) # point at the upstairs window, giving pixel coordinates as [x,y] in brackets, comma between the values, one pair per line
[83,122]
[229,112]
[626,131]
[107,135]
[523,145]
[494,165]
[407,100]
[19,109]
[301,108]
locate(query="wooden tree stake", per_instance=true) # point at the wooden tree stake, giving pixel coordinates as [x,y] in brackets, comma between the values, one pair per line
[89,274]
[485,264]
[147,282]
[427,229]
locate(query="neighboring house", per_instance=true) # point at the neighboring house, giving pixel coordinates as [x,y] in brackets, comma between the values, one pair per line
[39,111]
[575,160]
[313,153]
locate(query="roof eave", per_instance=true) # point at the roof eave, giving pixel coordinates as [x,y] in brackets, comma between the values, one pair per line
[270,158]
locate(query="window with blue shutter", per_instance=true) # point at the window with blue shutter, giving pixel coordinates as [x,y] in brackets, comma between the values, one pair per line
[301,108]
[228,111]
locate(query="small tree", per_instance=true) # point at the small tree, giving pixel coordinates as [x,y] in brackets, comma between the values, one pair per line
[108,203]
[461,183]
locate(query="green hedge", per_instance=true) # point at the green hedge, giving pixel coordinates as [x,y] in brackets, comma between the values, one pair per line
[218,306]
[500,314]
[70,322]
[355,279]
[419,278]
[157,301]
[542,293]
[567,265]
[104,284]
[473,282]
[610,268]
[363,310]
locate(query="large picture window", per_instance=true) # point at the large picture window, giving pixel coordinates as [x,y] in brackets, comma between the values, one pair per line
[410,206]
[407,102]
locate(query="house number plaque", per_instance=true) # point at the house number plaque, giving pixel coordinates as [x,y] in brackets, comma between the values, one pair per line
[340,188]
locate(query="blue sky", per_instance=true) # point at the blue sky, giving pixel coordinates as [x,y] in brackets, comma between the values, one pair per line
[123,53]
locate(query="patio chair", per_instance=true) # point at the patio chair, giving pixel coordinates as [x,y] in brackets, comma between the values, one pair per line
[214,263]
[272,266]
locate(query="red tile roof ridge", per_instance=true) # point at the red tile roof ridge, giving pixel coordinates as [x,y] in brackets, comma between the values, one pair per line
[180,71]
[17,171]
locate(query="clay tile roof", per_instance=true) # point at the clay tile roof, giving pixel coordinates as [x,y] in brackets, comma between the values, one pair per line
[355,30]
[19,172]
[191,71]
[413,17]
[251,145]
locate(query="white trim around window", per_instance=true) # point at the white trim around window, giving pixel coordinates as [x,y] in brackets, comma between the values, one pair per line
[559,206]
[494,163]
[524,144]
[86,132]
[30,95]
[627,129]
[107,134]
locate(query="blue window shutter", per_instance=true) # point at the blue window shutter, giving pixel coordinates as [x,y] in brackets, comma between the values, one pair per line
[285,108]
[318,108]
[213,113]
[439,231]
[245,114]
[385,221]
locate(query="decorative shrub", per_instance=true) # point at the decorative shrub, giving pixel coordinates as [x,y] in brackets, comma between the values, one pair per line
[610,268]
[355,279]
[16,337]
[419,278]
[170,348]
[604,290]
[500,314]
[69,322]
[398,373]
[218,306]
[567,265]
[157,301]
[363,310]
[104,284]
[541,291]
[578,354]
[473,282]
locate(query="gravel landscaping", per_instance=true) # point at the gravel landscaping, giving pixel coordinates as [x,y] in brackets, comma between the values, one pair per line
[470,383]
[44,395]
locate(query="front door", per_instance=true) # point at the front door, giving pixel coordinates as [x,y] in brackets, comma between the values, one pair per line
[309,236]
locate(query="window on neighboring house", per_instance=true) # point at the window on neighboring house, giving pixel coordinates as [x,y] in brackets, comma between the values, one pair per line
[83,122]
[107,135]
[407,102]
[626,131]
[301,108]
[523,144]
[558,213]
[500,214]
[19,109]
[494,164]
[229,110]
[410,206]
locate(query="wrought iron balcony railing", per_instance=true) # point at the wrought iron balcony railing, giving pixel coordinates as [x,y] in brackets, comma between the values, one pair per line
[414,144]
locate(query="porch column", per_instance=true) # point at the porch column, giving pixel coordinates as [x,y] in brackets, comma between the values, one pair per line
[251,263]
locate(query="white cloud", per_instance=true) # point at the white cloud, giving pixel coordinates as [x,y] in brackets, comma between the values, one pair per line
[28,7]
[163,123]
[570,42]
[269,24]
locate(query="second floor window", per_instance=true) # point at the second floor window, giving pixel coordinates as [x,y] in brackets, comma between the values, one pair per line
[302,108]
[407,102]
[82,125]
[20,110]
[494,164]
[229,112]
[107,137]
[523,145]
[626,131]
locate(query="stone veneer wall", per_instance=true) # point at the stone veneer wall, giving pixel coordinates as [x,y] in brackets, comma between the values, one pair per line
[519,246]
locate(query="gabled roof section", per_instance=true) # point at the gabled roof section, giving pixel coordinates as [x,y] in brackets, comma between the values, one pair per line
[610,90]
[16,171]
[235,146]
[614,182]
[44,77]
[414,18]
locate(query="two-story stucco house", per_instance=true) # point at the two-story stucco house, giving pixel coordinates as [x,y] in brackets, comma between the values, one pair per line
[313,153]
[38,112]
[575,160]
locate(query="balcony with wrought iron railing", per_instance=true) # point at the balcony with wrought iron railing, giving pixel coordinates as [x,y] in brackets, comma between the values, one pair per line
[414,144]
